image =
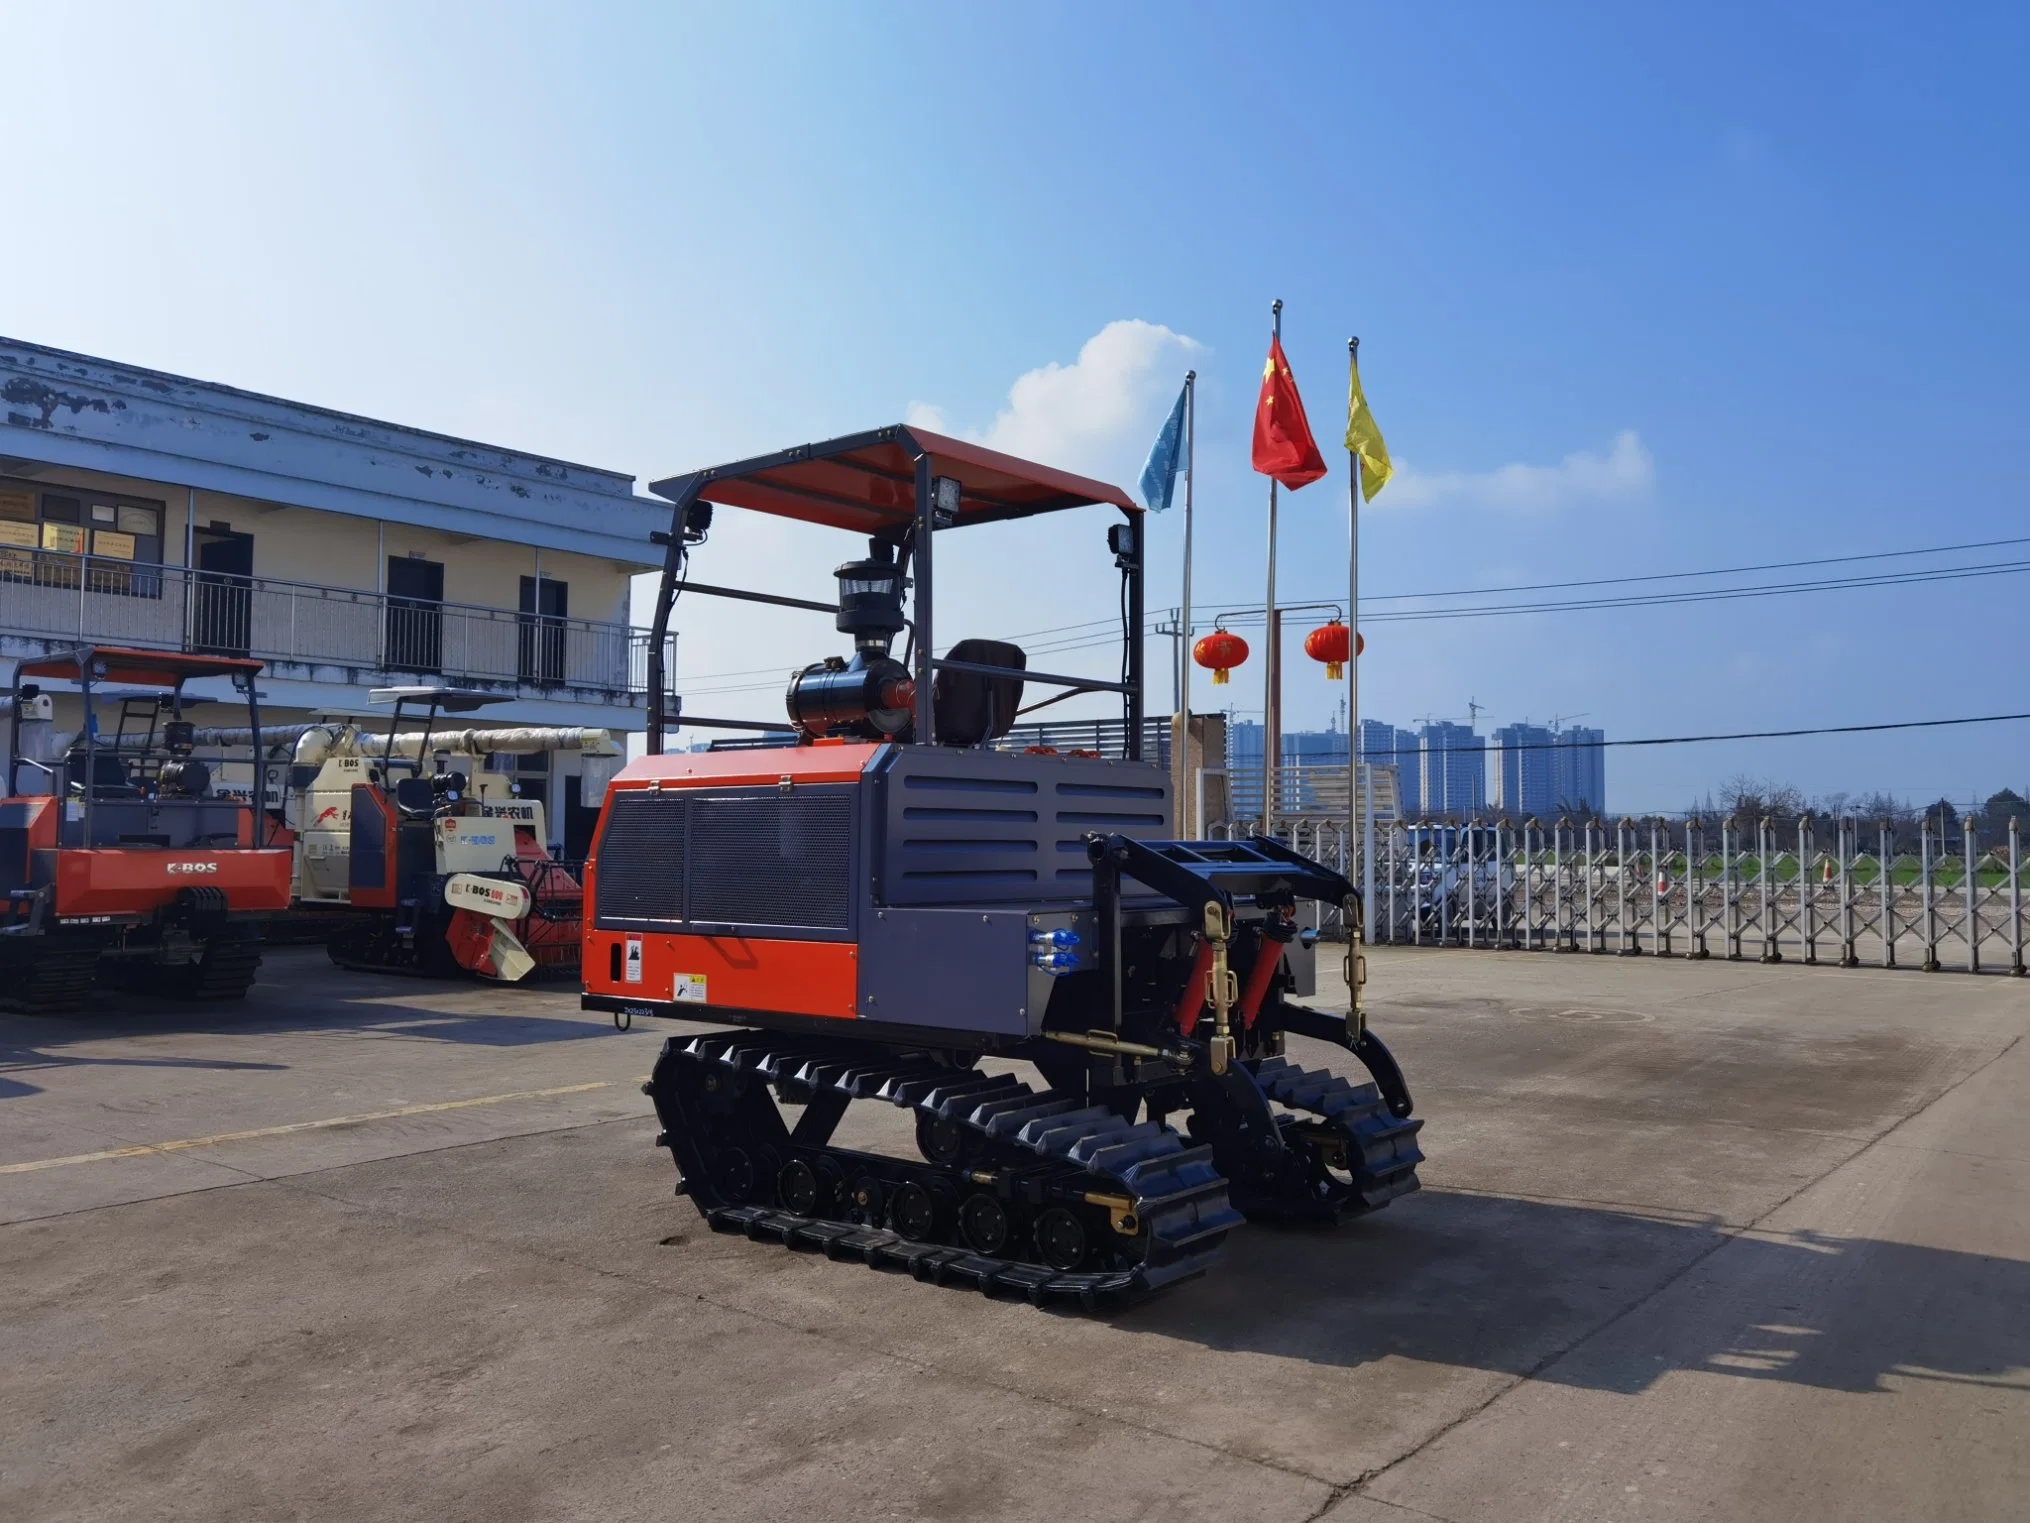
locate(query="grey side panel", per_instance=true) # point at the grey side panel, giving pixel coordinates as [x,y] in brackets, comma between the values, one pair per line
[999,827]
[959,970]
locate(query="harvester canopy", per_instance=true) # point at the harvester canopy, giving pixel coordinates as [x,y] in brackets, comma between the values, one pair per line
[900,486]
[136,668]
[867,482]
[449,700]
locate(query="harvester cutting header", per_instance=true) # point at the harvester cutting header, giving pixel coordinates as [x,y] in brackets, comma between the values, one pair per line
[890,899]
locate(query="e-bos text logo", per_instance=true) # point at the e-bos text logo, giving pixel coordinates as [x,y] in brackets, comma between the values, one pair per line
[193,867]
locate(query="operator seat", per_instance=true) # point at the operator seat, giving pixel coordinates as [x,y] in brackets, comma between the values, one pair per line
[972,709]
[415,797]
[109,775]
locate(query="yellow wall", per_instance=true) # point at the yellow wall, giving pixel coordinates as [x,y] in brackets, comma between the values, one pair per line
[336,550]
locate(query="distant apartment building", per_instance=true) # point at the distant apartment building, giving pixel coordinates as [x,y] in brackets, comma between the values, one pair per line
[1313,779]
[1452,778]
[1383,745]
[1580,771]
[151,510]
[1378,742]
[1522,764]
[1410,772]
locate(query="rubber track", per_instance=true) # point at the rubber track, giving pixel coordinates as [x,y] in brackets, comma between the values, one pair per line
[51,981]
[1180,1198]
[225,969]
[1385,1144]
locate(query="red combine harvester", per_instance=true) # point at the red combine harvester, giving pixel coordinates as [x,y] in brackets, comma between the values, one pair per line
[872,908]
[116,854]
[446,878]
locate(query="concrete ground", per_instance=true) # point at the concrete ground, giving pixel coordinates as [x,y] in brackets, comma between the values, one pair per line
[1697,1241]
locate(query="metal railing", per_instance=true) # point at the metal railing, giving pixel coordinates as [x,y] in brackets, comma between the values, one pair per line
[1106,737]
[1851,893]
[69,597]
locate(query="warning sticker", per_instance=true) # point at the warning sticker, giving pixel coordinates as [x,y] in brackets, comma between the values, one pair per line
[689,987]
[634,959]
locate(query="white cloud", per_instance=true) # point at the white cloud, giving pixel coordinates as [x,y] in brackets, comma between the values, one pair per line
[1625,472]
[1096,414]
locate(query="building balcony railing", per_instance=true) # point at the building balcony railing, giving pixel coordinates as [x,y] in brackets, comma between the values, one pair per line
[56,598]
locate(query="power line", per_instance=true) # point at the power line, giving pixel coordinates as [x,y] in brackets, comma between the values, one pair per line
[1834,729]
[1712,595]
[1666,576]
[1250,616]
[1240,609]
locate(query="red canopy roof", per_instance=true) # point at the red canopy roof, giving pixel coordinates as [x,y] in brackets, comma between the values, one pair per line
[866,482]
[137,668]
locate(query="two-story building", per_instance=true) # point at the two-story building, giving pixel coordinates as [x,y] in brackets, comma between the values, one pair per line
[144,509]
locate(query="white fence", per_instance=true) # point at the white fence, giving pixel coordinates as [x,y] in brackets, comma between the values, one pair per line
[1852,893]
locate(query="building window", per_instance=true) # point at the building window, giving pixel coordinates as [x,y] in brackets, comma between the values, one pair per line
[55,536]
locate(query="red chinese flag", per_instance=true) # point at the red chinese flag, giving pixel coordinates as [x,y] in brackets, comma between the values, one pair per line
[1284,447]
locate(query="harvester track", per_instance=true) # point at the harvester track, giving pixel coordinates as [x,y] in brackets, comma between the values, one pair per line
[49,981]
[1111,1209]
[224,970]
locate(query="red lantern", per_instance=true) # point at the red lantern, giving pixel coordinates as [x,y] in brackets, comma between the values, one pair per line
[1327,643]
[1222,651]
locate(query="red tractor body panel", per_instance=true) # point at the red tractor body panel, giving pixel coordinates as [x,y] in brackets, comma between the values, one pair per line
[125,883]
[814,978]
[807,977]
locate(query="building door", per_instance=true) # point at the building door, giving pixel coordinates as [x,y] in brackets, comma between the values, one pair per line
[222,591]
[415,627]
[580,820]
[545,605]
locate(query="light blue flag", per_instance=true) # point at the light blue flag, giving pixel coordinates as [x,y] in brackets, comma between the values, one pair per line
[1166,459]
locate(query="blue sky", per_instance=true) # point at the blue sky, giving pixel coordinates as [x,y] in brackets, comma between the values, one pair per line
[1636,292]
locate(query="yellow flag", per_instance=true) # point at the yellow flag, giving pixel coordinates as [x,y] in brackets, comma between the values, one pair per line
[1364,438]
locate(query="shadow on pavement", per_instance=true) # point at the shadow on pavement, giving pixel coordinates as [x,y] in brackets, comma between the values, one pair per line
[298,990]
[1501,1284]
[18,1058]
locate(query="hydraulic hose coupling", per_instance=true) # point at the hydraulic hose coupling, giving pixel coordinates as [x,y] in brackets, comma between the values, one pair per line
[1356,968]
[1222,988]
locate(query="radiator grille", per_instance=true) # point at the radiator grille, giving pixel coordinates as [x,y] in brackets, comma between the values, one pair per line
[641,859]
[783,859]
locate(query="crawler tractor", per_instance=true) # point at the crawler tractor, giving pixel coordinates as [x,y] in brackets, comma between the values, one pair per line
[117,854]
[888,908]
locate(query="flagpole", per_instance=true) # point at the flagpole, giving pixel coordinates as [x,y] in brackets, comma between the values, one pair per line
[1272,720]
[1352,639]
[1183,767]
